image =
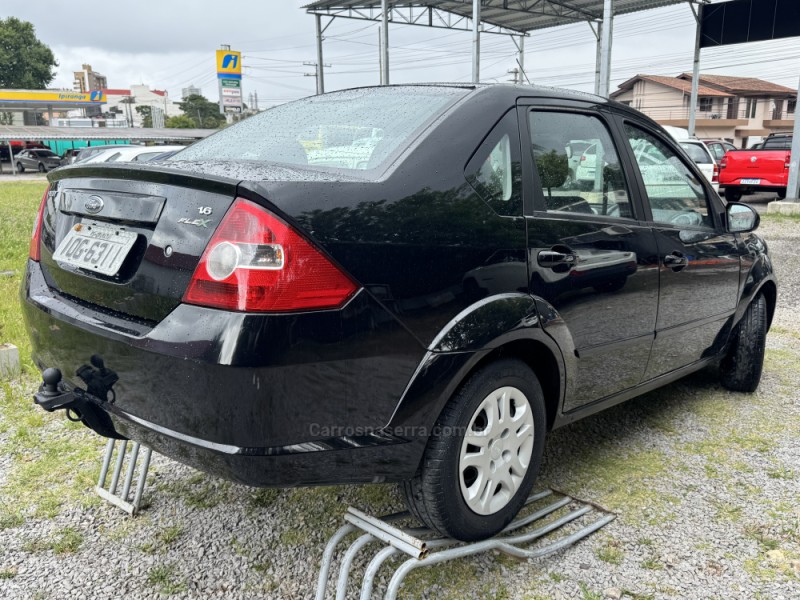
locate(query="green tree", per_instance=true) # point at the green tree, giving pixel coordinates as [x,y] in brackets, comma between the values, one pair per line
[147,115]
[202,111]
[553,170]
[180,122]
[25,62]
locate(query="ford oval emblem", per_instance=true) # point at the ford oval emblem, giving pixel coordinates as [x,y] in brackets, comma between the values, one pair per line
[94,204]
[753,158]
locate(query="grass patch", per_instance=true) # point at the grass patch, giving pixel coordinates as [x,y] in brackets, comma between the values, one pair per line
[587,594]
[779,218]
[162,540]
[19,203]
[54,462]
[652,563]
[622,480]
[166,580]
[66,541]
[611,553]
[780,472]
[8,573]
[199,491]
[263,498]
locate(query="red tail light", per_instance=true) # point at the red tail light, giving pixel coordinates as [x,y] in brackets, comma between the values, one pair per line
[715,176]
[723,162]
[36,236]
[256,262]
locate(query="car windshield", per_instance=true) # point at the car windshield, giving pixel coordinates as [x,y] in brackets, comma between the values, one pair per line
[354,129]
[697,153]
[43,153]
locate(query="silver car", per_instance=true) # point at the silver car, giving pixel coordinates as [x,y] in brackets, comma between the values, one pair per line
[37,160]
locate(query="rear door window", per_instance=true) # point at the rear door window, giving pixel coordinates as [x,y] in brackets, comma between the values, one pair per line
[578,165]
[697,153]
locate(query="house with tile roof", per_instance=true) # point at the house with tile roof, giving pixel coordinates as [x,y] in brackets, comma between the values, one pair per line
[742,110]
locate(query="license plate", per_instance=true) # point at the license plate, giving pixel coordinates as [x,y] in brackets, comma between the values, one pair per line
[94,247]
[751,182]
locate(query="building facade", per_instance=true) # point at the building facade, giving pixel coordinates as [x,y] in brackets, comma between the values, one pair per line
[86,80]
[191,91]
[742,110]
[123,102]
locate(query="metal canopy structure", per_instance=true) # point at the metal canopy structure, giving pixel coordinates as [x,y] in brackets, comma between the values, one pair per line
[515,18]
[36,133]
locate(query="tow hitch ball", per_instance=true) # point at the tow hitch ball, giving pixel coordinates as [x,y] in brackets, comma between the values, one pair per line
[79,405]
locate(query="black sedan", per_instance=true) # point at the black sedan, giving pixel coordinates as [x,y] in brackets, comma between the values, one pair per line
[396,284]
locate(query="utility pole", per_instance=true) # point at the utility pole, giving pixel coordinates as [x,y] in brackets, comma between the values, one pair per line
[794,165]
[317,75]
[384,47]
[606,38]
[698,15]
[515,75]
[476,41]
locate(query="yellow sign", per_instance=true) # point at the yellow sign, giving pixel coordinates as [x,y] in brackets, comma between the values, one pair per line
[229,64]
[52,97]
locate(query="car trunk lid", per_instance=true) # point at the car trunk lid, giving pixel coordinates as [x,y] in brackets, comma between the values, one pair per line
[126,239]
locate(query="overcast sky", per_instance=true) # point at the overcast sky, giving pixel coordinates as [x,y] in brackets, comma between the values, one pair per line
[170,45]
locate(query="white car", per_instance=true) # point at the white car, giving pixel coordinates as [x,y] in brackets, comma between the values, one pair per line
[703,158]
[131,154]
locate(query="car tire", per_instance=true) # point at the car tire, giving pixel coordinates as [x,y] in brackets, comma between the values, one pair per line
[781,194]
[733,194]
[740,369]
[42,168]
[20,168]
[449,491]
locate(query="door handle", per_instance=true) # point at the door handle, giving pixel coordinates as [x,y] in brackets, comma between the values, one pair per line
[676,261]
[556,259]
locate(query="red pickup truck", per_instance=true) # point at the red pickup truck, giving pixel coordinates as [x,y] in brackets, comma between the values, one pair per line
[762,170]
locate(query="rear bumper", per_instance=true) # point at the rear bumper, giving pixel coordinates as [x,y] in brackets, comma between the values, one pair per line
[278,400]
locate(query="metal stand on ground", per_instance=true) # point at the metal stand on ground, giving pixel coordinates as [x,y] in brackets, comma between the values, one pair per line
[422,547]
[122,499]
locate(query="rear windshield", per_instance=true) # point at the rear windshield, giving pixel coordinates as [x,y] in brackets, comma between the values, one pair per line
[354,129]
[778,143]
[697,153]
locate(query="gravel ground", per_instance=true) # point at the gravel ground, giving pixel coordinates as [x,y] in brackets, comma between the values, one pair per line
[704,483]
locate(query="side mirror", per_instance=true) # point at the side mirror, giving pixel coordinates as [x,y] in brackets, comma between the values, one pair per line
[742,218]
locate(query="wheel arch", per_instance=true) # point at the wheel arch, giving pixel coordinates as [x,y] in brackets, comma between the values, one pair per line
[540,359]
[770,291]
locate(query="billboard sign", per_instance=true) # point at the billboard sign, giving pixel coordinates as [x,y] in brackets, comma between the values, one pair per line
[95,97]
[229,64]
[232,92]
